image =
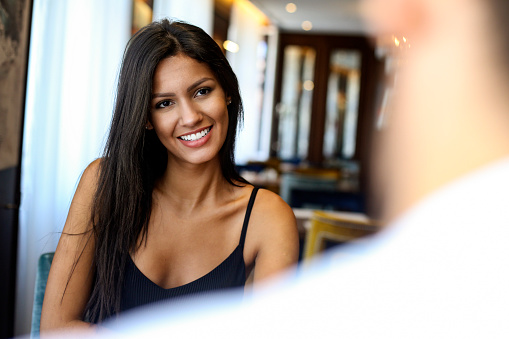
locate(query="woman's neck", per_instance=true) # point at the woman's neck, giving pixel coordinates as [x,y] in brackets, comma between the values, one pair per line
[190,186]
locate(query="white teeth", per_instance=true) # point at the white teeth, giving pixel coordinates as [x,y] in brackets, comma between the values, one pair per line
[196,136]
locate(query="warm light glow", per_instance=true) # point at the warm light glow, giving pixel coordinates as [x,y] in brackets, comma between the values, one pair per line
[230,46]
[291,7]
[308,85]
[392,45]
[253,11]
[307,25]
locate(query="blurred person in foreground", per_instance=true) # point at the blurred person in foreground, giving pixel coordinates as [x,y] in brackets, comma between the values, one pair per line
[439,269]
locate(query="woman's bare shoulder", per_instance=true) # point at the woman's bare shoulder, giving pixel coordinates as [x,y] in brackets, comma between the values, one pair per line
[90,177]
[91,172]
[272,216]
[272,235]
[78,219]
[270,206]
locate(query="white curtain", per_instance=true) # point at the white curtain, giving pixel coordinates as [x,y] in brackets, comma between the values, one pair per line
[197,12]
[248,29]
[75,53]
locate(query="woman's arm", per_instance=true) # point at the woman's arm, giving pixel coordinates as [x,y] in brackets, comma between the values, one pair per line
[275,235]
[71,274]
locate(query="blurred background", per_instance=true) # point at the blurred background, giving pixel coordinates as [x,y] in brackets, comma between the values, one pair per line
[316,90]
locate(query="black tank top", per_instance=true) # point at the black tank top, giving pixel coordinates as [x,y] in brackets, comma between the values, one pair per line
[138,290]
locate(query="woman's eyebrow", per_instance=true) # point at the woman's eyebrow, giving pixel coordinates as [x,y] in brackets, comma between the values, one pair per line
[198,83]
[189,89]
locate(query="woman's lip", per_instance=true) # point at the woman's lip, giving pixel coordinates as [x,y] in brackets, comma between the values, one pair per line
[197,143]
[195,131]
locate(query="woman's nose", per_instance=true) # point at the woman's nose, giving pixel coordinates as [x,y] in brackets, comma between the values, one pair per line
[190,114]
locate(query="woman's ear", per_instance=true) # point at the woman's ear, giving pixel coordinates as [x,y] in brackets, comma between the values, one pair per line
[148,125]
[228,100]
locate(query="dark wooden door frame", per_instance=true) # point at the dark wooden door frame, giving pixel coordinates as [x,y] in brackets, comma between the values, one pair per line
[324,45]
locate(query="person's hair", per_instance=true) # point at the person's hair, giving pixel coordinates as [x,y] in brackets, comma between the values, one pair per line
[134,158]
[500,14]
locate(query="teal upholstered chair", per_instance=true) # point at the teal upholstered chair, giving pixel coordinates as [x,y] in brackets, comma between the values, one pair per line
[43,267]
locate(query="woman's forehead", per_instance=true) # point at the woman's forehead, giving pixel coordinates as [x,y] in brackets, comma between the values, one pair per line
[180,71]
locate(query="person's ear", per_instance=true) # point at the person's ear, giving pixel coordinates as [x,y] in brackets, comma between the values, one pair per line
[149,126]
[228,100]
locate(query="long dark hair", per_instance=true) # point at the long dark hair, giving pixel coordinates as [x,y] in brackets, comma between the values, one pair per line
[500,15]
[134,158]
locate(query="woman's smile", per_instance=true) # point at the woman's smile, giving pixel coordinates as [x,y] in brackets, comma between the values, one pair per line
[196,139]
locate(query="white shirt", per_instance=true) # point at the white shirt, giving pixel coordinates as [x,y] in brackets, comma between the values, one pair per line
[440,271]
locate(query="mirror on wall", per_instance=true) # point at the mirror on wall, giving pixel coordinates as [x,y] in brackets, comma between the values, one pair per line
[323,105]
[294,109]
[342,104]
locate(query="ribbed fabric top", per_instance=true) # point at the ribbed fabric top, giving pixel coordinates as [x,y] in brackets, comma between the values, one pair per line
[139,290]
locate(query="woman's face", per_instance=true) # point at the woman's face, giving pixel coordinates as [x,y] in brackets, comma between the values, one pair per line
[188,110]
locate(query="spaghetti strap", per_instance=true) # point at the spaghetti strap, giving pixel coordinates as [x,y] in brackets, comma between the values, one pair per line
[246,218]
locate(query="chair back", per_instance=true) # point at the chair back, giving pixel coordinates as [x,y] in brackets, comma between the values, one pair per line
[41,278]
[334,227]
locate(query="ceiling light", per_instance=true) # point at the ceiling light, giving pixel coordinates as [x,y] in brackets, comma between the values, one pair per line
[230,46]
[291,7]
[307,25]
[308,85]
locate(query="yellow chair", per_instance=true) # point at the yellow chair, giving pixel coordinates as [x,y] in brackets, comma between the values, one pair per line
[330,226]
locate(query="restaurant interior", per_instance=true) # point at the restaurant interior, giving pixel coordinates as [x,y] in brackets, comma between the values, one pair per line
[316,88]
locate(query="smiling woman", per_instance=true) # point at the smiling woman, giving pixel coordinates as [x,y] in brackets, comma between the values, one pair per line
[189,110]
[164,214]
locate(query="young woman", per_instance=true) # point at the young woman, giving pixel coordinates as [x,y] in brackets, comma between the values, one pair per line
[164,214]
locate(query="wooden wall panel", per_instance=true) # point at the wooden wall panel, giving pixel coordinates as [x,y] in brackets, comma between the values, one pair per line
[15,18]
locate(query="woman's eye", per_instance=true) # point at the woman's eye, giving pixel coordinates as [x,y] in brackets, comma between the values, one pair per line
[202,91]
[163,104]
